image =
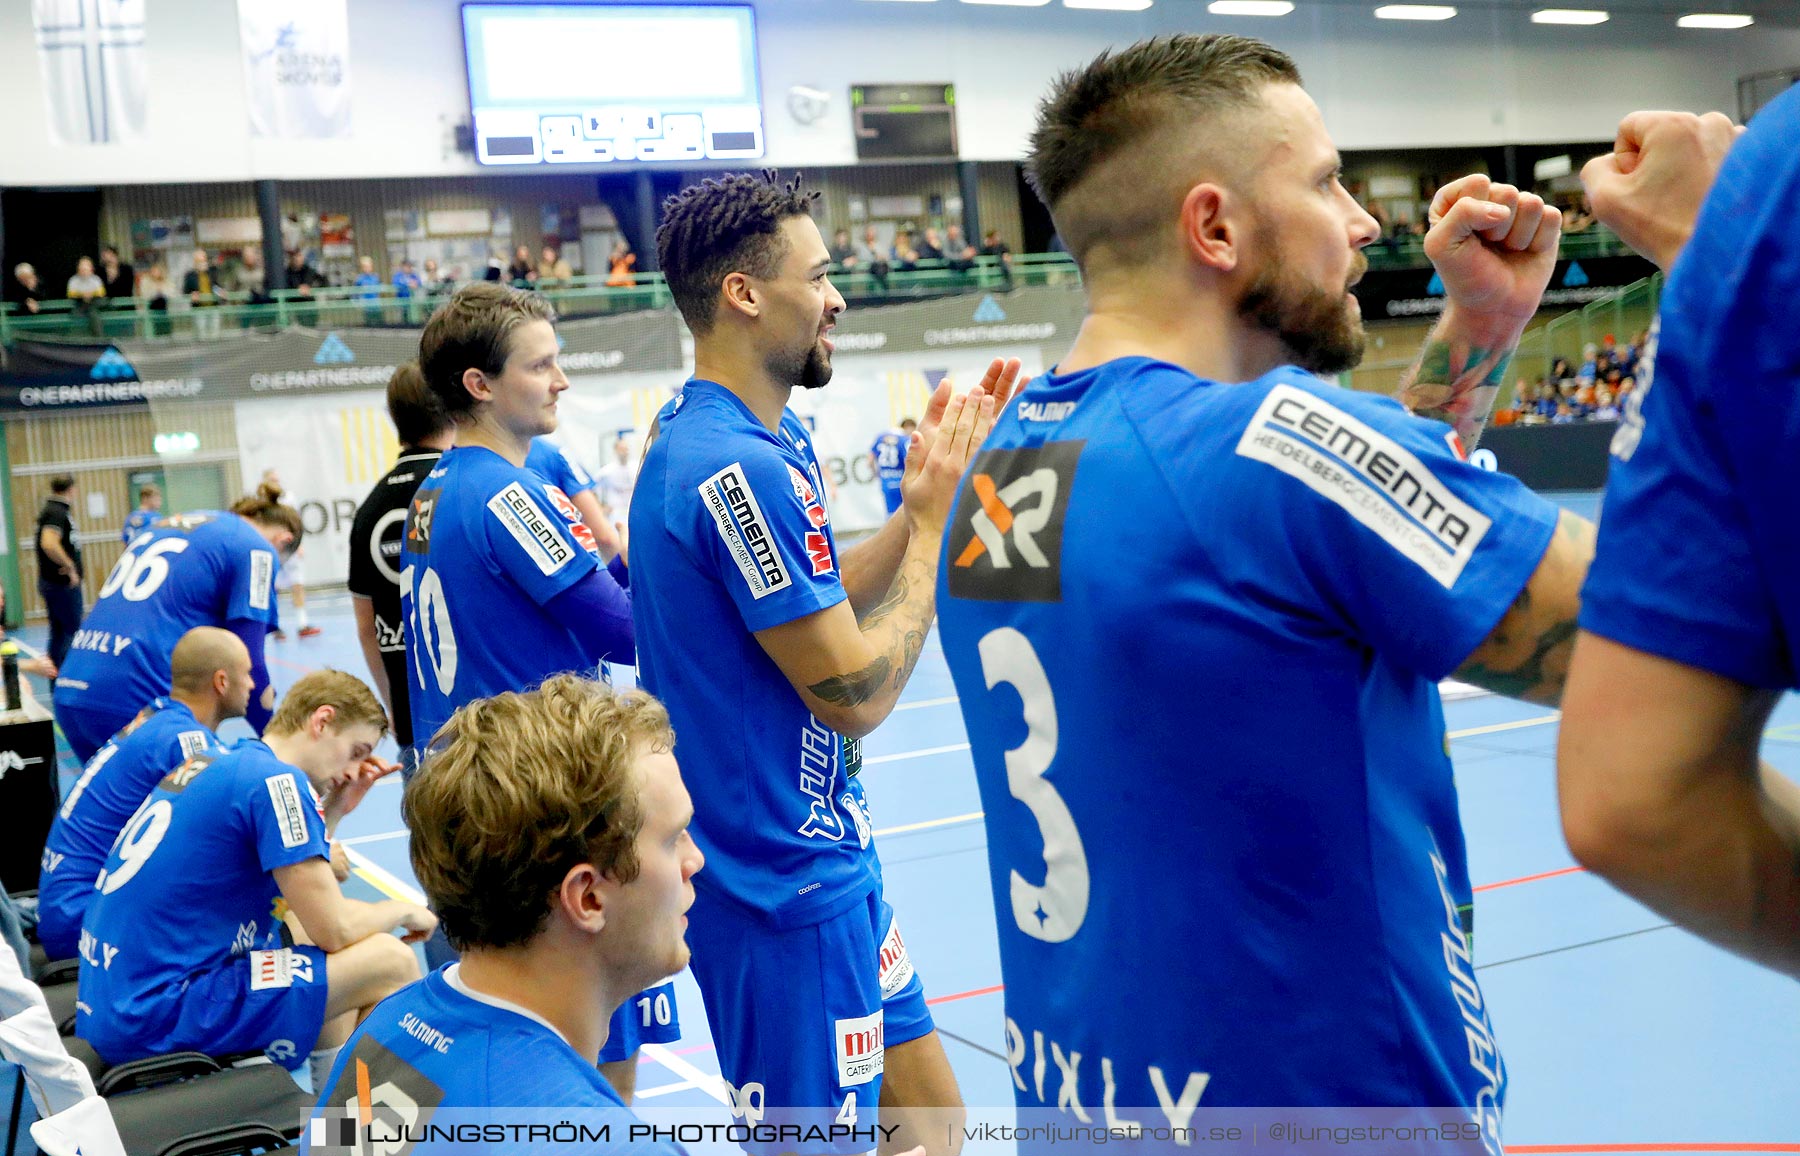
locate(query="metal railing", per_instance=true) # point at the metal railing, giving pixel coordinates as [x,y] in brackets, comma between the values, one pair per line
[350,306]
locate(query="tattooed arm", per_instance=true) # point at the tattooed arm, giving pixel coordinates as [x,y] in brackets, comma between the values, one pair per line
[1527,654]
[1459,374]
[1494,246]
[850,673]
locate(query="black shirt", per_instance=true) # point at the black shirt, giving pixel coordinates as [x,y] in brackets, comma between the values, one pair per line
[55,514]
[375,569]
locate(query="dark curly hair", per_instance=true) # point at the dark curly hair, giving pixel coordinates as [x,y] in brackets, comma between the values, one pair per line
[724,226]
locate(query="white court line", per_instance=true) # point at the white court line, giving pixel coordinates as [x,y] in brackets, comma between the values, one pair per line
[921,704]
[919,754]
[663,1090]
[359,840]
[711,1085]
[928,824]
[1496,728]
[383,880]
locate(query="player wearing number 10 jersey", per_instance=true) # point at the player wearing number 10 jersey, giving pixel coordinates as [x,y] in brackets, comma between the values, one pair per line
[501,584]
[1196,602]
[208,568]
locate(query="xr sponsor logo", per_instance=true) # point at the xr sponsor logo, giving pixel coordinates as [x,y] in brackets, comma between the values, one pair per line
[1006,536]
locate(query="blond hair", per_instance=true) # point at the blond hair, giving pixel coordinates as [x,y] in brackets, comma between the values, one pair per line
[518,789]
[355,703]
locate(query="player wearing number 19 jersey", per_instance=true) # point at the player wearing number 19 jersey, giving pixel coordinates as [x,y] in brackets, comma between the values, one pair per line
[209,568]
[1196,603]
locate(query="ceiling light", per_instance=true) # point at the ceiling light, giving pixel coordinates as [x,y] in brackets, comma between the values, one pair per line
[1110,5]
[1250,7]
[1414,12]
[1569,16]
[1715,20]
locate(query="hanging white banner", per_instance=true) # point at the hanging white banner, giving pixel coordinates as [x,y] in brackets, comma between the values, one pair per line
[96,74]
[296,66]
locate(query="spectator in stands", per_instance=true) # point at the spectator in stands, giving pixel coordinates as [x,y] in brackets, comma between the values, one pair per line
[249,280]
[86,290]
[872,259]
[957,250]
[149,506]
[843,253]
[202,288]
[993,246]
[368,289]
[300,275]
[931,246]
[551,830]
[59,566]
[435,281]
[25,290]
[406,279]
[1546,402]
[522,273]
[1626,385]
[620,264]
[1559,369]
[553,268]
[211,682]
[1590,363]
[119,277]
[181,948]
[1605,407]
[904,256]
[155,289]
[85,287]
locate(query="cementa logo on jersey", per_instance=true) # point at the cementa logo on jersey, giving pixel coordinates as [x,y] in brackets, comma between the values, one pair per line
[1006,537]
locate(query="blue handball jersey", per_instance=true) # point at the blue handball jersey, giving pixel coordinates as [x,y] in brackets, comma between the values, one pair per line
[137,522]
[1700,538]
[554,465]
[112,787]
[730,535]
[890,458]
[209,568]
[190,886]
[487,545]
[1196,630]
[436,1049]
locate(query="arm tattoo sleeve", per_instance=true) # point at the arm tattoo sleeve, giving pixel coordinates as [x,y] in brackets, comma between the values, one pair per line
[1457,384]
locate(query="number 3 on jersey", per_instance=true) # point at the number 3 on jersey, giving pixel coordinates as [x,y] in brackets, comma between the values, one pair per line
[438,645]
[1053,912]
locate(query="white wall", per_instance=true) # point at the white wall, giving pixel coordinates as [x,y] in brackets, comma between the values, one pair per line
[1488,76]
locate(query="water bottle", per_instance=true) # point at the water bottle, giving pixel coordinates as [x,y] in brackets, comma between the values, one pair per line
[9,669]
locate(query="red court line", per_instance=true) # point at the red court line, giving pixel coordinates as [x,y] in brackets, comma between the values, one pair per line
[273,661]
[1534,879]
[965,995]
[1547,1149]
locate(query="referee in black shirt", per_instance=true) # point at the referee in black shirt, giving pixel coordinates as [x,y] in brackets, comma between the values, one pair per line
[425,433]
[59,566]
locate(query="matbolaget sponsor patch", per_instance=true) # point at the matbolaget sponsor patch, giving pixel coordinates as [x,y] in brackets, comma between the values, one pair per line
[740,522]
[530,527]
[896,965]
[860,1052]
[1373,478]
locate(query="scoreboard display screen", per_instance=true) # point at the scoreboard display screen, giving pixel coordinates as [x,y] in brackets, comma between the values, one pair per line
[595,84]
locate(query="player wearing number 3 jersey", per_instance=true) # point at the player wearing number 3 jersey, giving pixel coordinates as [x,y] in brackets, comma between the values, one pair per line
[501,585]
[207,568]
[181,947]
[1196,602]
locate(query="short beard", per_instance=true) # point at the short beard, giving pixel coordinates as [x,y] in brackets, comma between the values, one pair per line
[808,370]
[1316,330]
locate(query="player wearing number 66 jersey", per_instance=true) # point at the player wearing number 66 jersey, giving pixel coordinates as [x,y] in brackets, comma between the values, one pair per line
[180,948]
[1196,602]
[501,585]
[207,568]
